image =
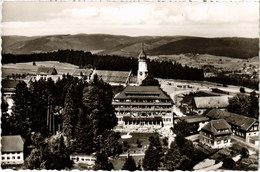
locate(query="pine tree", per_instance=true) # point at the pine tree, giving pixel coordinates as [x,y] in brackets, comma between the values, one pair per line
[20,119]
[254,106]
[52,153]
[70,112]
[153,155]
[129,164]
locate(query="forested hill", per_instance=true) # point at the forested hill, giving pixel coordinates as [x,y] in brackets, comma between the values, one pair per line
[130,46]
[231,47]
[164,69]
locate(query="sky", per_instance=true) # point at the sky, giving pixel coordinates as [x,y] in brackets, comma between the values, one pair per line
[211,19]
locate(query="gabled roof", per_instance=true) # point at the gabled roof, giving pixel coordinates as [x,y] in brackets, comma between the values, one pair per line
[215,127]
[243,122]
[211,102]
[46,71]
[141,91]
[113,76]
[194,119]
[142,54]
[12,143]
[85,72]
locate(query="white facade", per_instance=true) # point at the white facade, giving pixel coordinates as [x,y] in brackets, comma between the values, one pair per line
[215,142]
[142,71]
[84,159]
[12,158]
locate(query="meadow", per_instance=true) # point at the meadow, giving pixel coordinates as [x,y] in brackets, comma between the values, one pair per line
[29,68]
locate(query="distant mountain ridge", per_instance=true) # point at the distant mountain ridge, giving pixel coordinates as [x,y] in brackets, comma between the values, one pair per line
[130,46]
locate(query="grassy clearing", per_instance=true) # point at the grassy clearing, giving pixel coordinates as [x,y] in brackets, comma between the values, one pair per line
[29,68]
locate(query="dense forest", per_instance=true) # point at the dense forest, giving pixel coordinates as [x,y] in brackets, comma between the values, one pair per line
[164,69]
[84,111]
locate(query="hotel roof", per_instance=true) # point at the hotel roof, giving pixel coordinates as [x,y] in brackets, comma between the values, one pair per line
[142,92]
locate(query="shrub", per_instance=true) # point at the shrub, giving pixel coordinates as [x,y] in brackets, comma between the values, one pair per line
[244,153]
[228,163]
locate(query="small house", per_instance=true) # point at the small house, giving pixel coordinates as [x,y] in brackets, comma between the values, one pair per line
[242,126]
[45,72]
[216,134]
[12,150]
[81,158]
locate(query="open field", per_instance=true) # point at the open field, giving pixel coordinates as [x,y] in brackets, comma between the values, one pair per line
[29,68]
[199,60]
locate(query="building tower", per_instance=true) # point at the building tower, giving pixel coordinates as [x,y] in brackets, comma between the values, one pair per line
[142,72]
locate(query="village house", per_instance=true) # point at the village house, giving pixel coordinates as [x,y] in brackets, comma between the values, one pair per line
[46,72]
[83,73]
[115,78]
[86,159]
[12,150]
[216,134]
[201,104]
[242,126]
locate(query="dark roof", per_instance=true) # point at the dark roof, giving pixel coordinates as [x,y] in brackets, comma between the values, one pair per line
[243,122]
[113,76]
[10,83]
[46,71]
[12,143]
[142,54]
[86,72]
[215,125]
[194,119]
[142,90]
[211,102]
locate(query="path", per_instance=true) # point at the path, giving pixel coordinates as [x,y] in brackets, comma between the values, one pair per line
[246,144]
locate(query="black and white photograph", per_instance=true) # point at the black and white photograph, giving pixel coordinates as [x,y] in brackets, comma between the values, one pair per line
[130,85]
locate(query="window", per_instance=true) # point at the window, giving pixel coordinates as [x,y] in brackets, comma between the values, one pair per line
[225,141]
[8,157]
[13,157]
[3,158]
[218,142]
[19,157]
[82,159]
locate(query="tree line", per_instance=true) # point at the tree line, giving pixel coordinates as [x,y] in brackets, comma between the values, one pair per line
[164,69]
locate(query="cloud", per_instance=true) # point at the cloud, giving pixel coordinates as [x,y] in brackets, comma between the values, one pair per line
[146,19]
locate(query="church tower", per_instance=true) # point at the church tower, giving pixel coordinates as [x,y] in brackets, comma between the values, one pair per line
[142,72]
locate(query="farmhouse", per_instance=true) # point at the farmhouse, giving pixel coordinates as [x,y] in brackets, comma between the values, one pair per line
[115,77]
[45,72]
[201,104]
[216,134]
[143,108]
[87,159]
[12,150]
[83,73]
[242,126]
